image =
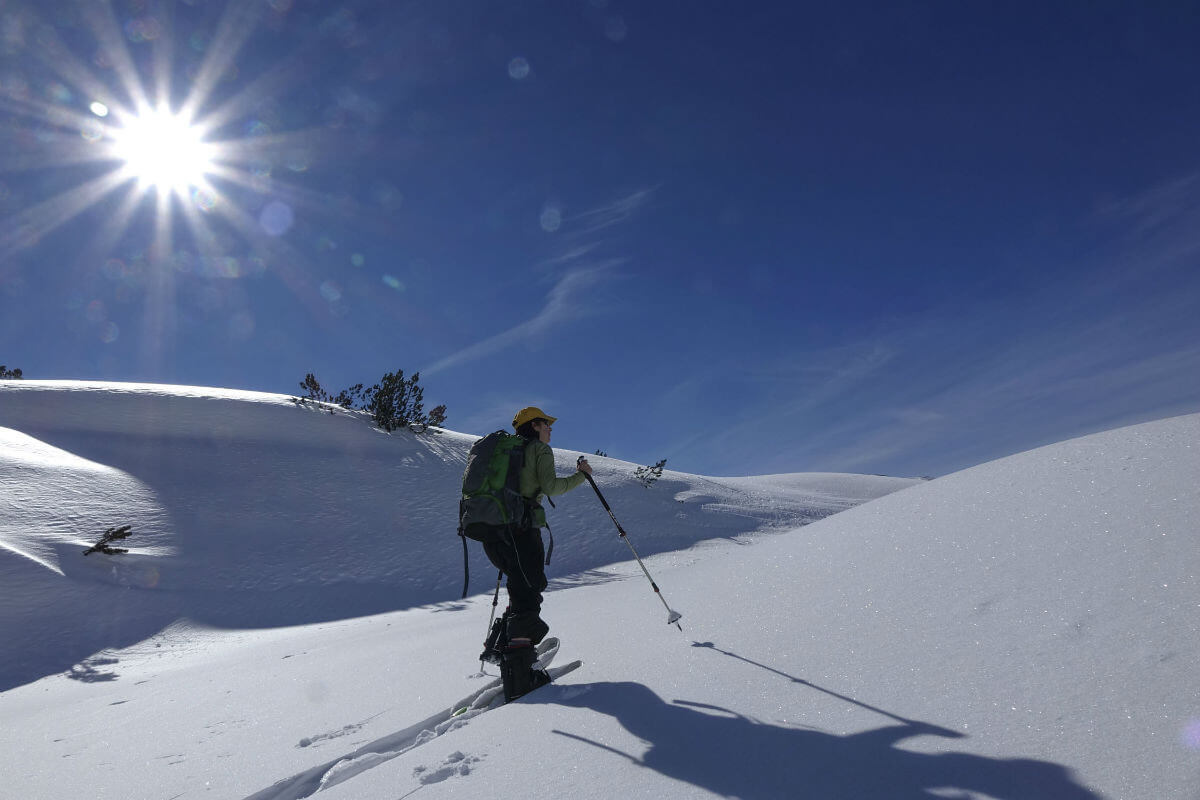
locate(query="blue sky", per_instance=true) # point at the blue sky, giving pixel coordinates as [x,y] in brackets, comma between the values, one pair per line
[876,237]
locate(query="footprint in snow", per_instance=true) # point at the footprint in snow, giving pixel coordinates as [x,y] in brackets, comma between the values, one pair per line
[457,763]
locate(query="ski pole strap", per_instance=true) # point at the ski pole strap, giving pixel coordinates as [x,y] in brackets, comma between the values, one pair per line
[550,549]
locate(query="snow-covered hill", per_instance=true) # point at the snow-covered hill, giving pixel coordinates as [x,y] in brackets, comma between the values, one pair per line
[1023,629]
[249,511]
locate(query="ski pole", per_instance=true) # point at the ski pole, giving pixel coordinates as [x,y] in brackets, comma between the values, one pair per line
[673,617]
[495,602]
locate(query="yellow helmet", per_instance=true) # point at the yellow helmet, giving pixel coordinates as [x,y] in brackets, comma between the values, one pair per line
[531,413]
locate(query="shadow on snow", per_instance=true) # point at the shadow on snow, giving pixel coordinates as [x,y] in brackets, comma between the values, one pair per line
[727,753]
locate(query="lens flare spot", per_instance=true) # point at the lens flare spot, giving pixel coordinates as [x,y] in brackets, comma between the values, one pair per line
[551,219]
[114,269]
[99,109]
[109,332]
[226,267]
[393,282]
[241,326]
[91,131]
[331,291]
[276,218]
[95,311]
[518,69]
[151,577]
[204,199]
[1190,736]
[59,93]
[298,162]
[146,29]
[184,262]
[357,259]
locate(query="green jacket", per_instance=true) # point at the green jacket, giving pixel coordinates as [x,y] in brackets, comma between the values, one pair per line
[539,478]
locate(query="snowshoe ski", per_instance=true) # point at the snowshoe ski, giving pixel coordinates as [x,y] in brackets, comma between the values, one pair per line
[546,651]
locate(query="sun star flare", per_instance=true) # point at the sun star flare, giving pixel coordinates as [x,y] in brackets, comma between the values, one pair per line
[163,150]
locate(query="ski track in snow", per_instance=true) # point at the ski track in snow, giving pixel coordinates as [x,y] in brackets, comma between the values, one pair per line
[347,730]
[382,750]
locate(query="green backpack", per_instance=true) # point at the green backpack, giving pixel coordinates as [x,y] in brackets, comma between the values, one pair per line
[491,497]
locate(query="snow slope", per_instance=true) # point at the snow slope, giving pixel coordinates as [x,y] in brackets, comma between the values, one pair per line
[1023,629]
[249,511]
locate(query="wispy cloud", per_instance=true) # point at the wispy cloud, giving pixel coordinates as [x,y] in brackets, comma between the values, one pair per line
[610,214]
[1114,342]
[1168,213]
[569,255]
[566,302]
[497,413]
[576,270]
[784,393]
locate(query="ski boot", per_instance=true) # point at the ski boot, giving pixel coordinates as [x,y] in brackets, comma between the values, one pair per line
[517,672]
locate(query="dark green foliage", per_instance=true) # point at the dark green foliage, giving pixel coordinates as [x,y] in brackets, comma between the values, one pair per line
[437,416]
[648,475]
[394,402]
[600,453]
[9,374]
[352,398]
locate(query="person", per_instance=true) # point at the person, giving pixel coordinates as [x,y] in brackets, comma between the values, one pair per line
[521,556]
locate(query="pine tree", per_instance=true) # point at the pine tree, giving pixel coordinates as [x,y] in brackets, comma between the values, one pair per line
[394,402]
[648,475]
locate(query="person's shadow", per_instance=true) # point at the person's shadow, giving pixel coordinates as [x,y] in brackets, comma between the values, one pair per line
[729,754]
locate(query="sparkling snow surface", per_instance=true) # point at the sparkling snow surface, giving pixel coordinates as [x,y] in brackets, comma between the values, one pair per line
[1023,629]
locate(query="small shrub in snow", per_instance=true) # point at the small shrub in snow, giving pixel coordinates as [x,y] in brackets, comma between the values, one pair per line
[394,402]
[648,475]
[9,374]
[347,398]
[104,545]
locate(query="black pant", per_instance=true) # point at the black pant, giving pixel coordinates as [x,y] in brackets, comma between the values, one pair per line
[521,556]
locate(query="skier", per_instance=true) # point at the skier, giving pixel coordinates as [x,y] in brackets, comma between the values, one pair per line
[521,557]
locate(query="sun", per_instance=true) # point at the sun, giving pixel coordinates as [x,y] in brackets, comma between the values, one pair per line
[163,150]
[125,127]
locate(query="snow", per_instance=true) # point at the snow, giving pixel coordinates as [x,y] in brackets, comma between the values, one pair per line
[1026,628]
